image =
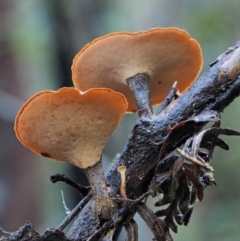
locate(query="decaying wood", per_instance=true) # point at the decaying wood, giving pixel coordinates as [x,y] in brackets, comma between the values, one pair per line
[214,90]
[27,233]
[154,139]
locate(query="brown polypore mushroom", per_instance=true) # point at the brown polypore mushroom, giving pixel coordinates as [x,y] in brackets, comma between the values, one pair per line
[71,126]
[155,58]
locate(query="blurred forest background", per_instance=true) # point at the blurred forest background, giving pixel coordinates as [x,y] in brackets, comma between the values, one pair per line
[38,40]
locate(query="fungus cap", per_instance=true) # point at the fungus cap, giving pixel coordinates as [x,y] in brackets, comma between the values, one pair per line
[165,54]
[68,125]
[121,169]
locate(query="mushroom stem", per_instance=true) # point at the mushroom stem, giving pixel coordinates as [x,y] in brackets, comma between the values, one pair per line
[139,86]
[103,203]
[122,171]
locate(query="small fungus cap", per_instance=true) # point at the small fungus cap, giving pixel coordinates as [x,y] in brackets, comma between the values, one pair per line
[165,54]
[121,169]
[68,125]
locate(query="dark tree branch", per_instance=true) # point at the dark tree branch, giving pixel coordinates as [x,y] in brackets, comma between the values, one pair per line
[62,178]
[214,90]
[211,93]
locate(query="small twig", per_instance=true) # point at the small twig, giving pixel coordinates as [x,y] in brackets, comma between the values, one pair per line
[157,143]
[62,178]
[108,236]
[74,212]
[155,224]
[136,201]
[131,230]
[206,165]
[105,226]
[5,232]
[170,96]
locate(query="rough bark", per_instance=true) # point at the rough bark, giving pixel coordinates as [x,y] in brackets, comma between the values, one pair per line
[212,91]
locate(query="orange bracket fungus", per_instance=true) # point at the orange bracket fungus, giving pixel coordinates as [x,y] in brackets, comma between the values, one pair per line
[71,126]
[141,62]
